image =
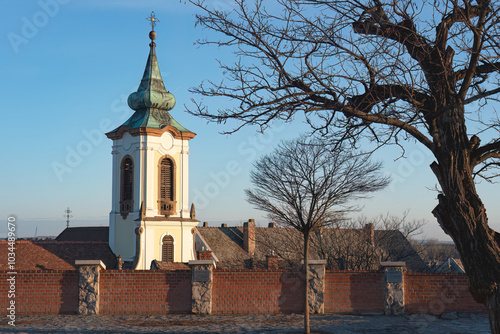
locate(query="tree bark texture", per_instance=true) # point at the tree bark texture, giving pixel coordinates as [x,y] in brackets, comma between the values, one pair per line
[493,306]
[462,215]
[306,283]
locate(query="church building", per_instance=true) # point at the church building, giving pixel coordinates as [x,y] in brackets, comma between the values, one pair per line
[150,217]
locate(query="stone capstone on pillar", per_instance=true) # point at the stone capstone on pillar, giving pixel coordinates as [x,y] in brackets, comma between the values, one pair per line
[88,285]
[201,285]
[394,303]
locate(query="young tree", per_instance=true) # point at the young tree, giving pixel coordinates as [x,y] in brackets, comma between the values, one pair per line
[387,71]
[306,186]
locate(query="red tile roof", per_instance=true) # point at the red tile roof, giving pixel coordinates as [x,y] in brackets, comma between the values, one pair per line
[30,256]
[55,255]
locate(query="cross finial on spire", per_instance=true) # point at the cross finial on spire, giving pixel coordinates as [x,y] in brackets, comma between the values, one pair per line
[152,18]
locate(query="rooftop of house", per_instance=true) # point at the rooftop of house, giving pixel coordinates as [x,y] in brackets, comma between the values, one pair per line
[56,255]
[343,248]
[450,266]
[88,233]
[233,247]
[171,266]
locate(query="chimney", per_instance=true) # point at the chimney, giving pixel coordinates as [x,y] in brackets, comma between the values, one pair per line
[223,225]
[205,224]
[205,255]
[249,237]
[369,233]
[272,261]
[271,225]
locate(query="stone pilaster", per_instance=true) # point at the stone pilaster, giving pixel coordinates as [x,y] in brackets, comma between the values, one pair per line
[394,303]
[316,278]
[88,285]
[201,286]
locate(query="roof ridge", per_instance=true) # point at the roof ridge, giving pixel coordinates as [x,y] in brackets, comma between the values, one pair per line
[86,227]
[68,242]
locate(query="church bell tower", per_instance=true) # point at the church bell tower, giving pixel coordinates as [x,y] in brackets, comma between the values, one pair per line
[150,218]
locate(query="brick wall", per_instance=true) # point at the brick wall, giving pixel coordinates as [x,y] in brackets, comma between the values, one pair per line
[42,292]
[257,291]
[354,291]
[439,293]
[145,292]
[234,291]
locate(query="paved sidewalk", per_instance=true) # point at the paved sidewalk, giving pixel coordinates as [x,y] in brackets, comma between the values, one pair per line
[291,323]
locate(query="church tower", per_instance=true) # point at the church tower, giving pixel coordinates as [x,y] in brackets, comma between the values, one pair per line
[150,217]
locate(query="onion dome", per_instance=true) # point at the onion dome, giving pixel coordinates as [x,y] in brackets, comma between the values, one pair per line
[151,92]
[152,102]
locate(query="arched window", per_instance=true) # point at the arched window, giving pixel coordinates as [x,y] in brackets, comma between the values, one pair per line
[127,186]
[167,249]
[166,196]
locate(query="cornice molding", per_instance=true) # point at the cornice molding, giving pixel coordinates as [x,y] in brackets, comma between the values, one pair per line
[118,134]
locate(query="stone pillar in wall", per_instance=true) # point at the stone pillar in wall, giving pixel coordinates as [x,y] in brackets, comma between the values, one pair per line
[88,285]
[201,286]
[394,302]
[316,296]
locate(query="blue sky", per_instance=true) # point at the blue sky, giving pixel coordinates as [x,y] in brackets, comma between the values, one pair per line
[67,70]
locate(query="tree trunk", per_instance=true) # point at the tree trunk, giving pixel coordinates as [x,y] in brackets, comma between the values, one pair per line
[306,284]
[493,306]
[462,215]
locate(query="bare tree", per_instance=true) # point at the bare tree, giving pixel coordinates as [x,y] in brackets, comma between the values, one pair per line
[353,244]
[361,244]
[389,71]
[434,251]
[306,186]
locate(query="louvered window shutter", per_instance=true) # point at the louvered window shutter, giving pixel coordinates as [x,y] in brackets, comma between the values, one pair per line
[127,187]
[167,184]
[167,249]
[127,179]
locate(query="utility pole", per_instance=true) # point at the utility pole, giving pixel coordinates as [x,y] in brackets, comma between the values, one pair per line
[67,215]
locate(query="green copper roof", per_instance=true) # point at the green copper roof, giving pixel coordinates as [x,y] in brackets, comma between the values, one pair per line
[152,102]
[152,118]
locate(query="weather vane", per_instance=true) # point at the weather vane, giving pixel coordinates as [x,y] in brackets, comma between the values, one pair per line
[153,20]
